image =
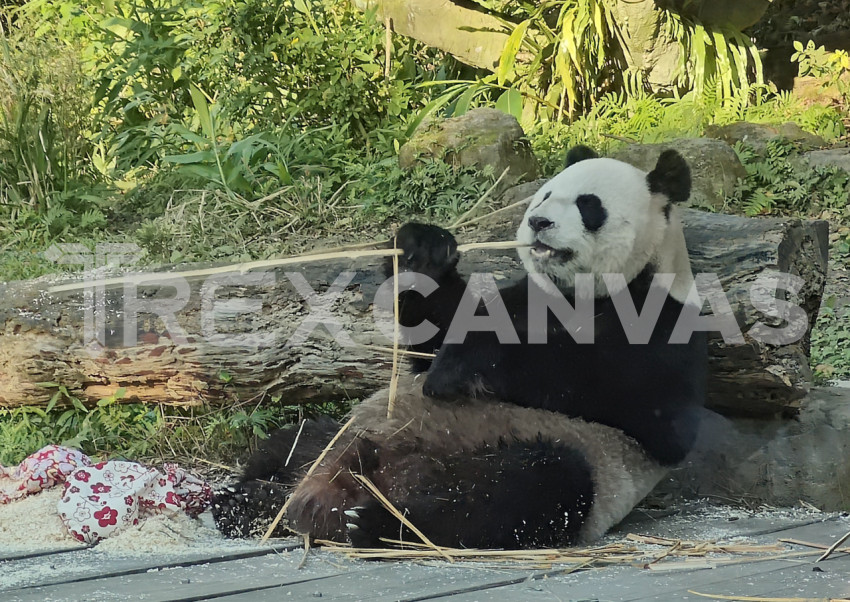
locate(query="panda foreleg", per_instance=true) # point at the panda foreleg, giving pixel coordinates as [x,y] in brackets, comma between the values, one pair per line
[431,252]
[515,495]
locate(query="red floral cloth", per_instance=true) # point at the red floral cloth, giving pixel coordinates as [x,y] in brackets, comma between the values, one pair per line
[104,498]
[45,468]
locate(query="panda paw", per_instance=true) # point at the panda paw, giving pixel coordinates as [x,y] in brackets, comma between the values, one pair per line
[367,524]
[426,249]
[247,509]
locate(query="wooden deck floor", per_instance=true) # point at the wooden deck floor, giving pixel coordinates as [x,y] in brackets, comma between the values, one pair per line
[263,573]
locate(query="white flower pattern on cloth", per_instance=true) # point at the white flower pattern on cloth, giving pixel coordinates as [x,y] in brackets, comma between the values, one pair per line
[104,498]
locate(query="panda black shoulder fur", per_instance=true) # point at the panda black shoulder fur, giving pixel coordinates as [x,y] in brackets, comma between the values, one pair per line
[515,445]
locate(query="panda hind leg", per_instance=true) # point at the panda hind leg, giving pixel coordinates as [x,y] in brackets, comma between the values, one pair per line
[515,495]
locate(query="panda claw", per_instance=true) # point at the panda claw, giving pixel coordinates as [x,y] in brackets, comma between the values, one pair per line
[351,513]
[352,527]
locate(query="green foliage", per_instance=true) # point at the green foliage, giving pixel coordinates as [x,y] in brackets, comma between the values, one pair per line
[146,432]
[617,119]
[433,191]
[46,178]
[129,430]
[818,62]
[718,63]
[778,182]
[830,355]
[562,57]
[833,68]
[307,63]
[277,105]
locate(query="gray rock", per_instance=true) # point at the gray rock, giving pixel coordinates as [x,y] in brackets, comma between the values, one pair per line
[835,157]
[478,138]
[715,168]
[758,135]
[777,462]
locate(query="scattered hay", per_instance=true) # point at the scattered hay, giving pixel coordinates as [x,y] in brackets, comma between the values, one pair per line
[642,551]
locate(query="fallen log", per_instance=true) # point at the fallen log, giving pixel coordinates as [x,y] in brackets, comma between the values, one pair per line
[230,343]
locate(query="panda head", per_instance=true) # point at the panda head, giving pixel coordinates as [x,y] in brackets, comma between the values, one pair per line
[603,216]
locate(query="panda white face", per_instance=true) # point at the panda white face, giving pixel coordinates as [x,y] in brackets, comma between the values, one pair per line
[603,216]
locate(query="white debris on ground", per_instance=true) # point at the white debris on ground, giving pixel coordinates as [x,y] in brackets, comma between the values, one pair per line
[32,525]
[702,521]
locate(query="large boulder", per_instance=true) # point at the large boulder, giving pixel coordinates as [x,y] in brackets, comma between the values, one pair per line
[653,52]
[758,135]
[778,462]
[715,168]
[479,138]
[833,157]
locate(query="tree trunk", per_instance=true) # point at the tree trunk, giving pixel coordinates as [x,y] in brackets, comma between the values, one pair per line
[42,341]
[473,37]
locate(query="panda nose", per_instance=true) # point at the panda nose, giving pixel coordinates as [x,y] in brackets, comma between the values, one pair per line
[539,223]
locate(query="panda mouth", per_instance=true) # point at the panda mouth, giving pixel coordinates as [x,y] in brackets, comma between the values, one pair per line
[542,251]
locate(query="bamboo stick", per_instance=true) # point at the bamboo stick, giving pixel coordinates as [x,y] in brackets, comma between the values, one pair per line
[249,266]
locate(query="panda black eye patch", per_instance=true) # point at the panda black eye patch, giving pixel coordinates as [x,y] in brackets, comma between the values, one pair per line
[593,214]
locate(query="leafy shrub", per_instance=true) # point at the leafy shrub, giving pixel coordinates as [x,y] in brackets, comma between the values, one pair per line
[778,182]
[833,68]
[305,63]
[830,357]
[618,119]
[141,431]
[562,57]
[431,191]
[45,155]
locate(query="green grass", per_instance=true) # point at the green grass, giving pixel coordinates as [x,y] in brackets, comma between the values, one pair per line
[150,432]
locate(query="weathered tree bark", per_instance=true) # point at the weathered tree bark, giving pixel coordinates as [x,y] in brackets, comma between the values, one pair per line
[42,333]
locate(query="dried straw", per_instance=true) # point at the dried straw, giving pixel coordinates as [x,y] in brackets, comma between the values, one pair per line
[395,512]
[621,553]
[758,599]
[834,546]
[396,334]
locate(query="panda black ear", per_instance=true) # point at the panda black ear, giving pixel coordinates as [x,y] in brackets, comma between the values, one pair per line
[579,153]
[671,177]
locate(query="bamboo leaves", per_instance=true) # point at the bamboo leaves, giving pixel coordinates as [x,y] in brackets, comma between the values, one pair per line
[509,54]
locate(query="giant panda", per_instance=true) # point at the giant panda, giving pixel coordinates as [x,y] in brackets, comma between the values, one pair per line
[521,444]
